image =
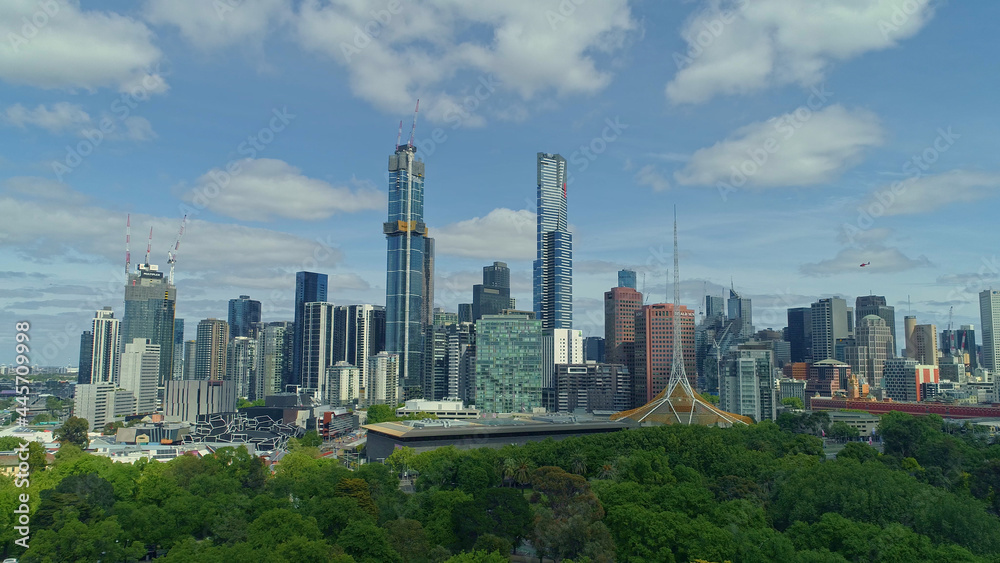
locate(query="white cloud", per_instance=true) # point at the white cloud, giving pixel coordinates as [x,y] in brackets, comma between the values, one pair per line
[503,234]
[70,48]
[650,176]
[136,129]
[438,51]
[218,24]
[267,189]
[883,259]
[923,194]
[736,47]
[42,189]
[63,116]
[800,148]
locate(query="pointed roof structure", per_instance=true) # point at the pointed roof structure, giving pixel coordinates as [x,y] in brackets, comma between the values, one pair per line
[678,403]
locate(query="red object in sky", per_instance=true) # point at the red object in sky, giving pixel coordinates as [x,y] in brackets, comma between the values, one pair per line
[865,264]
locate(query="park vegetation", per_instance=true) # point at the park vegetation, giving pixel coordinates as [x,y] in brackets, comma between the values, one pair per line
[751,494]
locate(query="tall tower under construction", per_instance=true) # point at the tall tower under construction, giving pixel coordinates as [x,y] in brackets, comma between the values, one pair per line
[409,285]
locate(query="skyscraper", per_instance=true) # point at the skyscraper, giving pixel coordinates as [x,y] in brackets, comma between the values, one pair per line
[383,379]
[178,349]
[150,301]
[874,335]
[493,295]
[310,287]
[626,278]
[925,344]
[875,305]
[409,265]
[654,349]
[243,312]
[211,350]
[190,358]
[241,365]
[620,306]
[740,310]
[989,314]
[799,334]
[106,345]
[317,345]
[715,306]
[274,358]
[86,357]
[829,323]
[358,334]
[552,281]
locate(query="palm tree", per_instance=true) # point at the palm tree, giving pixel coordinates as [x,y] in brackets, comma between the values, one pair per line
[522,470]
[508,468]
[579,464]
[608,470]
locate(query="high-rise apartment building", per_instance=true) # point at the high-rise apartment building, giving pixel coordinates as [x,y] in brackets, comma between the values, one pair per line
[962,343]
[654,349]
[342,384]
[552,280]
[101,403]
[925,344]
[241,366]
[243,313]
[178,349]
[317,345]
[592,386]
[211,350]
[274,357]
[876,305]
[409,299]
[874,336]
[747,385]
[626,278]
[358,334]
[310,287]
[508,363]
[106,347]
[140,364]
[560,346]
[150,301]
[190,358]
[989,314]
[465,313]
[829,323]
[86,357]
[382,385]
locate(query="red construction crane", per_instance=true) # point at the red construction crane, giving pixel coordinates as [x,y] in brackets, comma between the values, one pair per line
[128,235]
[172,254]
[149,245]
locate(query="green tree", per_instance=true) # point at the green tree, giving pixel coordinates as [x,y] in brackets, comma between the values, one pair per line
[359,490]
[42,417]
[54,405]
[380,413]
[311,439]
[74,431]
[493,544]
[408,538]
[10,443]
[400,459]
[843,431]
[112,427]
[367,543]
[479,557]
[793,402]
[859,451]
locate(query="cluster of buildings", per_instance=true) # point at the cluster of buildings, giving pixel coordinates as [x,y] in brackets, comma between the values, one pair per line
[502,359]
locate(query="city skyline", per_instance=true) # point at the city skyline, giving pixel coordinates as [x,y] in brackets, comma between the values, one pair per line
[309,200]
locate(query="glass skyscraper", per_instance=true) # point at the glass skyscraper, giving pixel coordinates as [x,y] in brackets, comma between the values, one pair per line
[243,313]
[409,282]
[626,278]
[150,301]
[310,287]
[552,280]
[508,363]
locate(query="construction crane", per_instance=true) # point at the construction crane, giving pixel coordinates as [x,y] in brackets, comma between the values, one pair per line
[149,246]
[413,129]
[128,256]
[172,254]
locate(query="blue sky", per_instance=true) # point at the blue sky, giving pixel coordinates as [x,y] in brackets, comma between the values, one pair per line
[654,104]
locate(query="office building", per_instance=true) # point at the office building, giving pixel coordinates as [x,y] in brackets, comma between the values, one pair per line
[211,350]
[626,278]
[508,363]
[620,307]
[909,327]
[185,401]
[592,387]
[876,305]
[593,349]
[741,311]
[799,333]
[243,314]
[747,384]
[140,364]
[829,322]
[150,301]
[409,283]
[874,335]
[826,377]
[105,347]
[903,378]
[552,280]
[86,357]
[989,314]
[559,346]
[310,287]
[492,297]
[715,306]
[654,349]
[925,347]
[241,366]
[317,345]
[465,313]
[382,385]
[274,357]
[178,349]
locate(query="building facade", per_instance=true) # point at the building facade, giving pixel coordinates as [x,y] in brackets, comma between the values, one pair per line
[799,333]
[185,401]
[552,279]
[654,349]
[317,345]
[211,350]
[243,314]
[829,322]
[876,305]
[105,347]
[382,385]
[904,376]
[150,302]
[620,307]
[274,357]
[342,385]
[626,278]
[310,287]
[508,363]
[241,366]
[989,314]
[140,364]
